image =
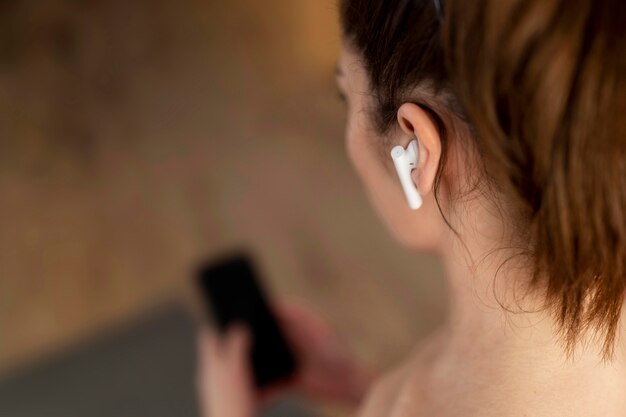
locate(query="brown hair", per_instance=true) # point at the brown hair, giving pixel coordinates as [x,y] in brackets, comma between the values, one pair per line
[543,83]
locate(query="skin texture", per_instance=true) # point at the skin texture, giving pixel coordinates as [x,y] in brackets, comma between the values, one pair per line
[497,354]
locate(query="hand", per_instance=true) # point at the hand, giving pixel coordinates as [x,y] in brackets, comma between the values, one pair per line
[327,370]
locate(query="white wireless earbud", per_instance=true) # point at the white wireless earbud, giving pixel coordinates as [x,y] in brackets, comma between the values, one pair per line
[405,161]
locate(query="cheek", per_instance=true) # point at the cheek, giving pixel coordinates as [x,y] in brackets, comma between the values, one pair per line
[360,149]
[363,148]
[353,146]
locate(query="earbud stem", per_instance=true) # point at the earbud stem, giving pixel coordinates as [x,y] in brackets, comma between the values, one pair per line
[405,162]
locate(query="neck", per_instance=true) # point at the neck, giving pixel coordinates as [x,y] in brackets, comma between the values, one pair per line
[499,344]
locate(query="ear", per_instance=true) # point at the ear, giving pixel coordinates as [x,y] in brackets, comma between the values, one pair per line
[417,123]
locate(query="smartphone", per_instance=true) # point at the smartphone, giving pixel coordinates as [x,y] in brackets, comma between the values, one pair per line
[233,294]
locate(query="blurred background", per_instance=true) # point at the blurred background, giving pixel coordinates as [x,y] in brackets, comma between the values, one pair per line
[138,137]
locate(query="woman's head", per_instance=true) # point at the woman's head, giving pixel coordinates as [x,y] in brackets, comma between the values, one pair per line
[516,105]
[395,82]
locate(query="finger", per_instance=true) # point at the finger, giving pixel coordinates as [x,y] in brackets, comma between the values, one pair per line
[225,386]
[237,337]
[212,359]
[299,320]
[236,346]
[292,310]
[208,345]
[207,355]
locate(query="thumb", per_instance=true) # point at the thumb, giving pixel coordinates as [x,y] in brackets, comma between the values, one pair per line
[237,343]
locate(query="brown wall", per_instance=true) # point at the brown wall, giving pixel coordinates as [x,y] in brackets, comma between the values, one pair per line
[137,137]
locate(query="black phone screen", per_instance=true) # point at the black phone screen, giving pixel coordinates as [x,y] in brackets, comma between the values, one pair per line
[234,294]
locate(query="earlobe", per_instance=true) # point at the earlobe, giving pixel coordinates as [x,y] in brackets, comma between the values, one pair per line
[417,123]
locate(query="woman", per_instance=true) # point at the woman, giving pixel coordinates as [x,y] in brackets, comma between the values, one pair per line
[517,107]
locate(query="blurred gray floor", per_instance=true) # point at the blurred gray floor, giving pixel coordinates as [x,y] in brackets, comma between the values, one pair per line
[145,369]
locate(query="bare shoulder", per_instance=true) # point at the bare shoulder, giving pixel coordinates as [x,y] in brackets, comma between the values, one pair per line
[401,389]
